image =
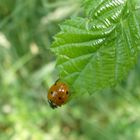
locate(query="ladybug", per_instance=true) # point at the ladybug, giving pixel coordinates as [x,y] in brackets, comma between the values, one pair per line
[58,94]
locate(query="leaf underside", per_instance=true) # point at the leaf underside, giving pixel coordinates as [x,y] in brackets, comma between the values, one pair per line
[98,51]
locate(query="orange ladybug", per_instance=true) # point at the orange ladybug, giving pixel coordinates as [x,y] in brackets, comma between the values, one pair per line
[58,94]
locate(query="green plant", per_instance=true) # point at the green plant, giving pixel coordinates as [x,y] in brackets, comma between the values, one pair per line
[98,51]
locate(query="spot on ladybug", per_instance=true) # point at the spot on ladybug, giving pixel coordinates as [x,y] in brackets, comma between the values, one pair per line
[58,94]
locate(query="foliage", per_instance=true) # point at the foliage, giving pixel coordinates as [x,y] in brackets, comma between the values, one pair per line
[98,51]
[27,69]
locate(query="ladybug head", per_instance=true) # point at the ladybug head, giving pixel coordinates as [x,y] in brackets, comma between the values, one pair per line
[52,105]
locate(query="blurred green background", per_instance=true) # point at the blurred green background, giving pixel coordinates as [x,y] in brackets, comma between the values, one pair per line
[27,69]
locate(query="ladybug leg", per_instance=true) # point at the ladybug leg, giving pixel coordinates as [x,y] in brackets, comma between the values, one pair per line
[57,81]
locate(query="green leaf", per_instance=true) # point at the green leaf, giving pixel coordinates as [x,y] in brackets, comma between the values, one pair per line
[98,51]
